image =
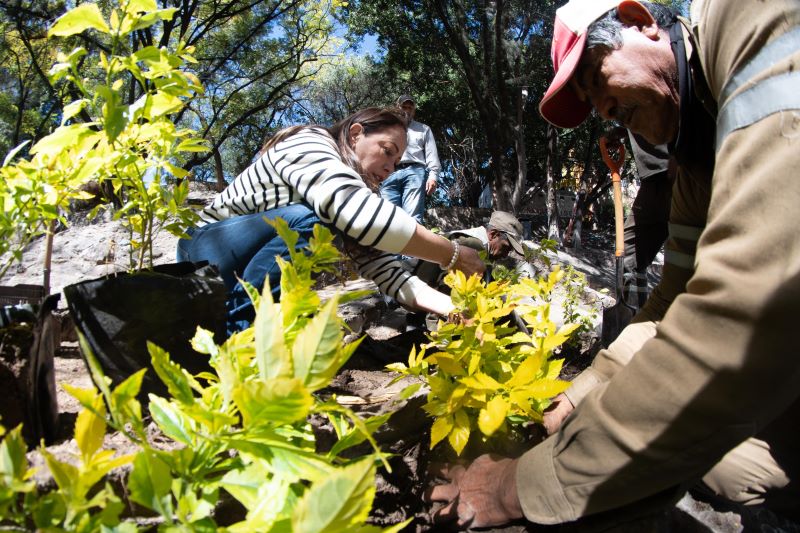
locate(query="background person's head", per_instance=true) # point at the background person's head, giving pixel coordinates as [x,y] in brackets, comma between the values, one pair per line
[614,56]
[372,141]
[505,234]
[409,106]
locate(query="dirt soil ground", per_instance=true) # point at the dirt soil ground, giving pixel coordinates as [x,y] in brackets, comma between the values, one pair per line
[85,250]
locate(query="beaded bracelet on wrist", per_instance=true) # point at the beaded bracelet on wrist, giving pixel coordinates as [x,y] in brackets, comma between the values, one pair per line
[454,259]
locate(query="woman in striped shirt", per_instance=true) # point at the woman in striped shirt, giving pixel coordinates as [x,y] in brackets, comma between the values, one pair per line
[308,175]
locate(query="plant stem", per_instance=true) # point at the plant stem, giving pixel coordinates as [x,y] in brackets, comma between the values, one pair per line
[48,255]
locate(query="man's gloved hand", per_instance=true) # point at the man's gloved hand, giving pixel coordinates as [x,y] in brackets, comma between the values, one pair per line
[481,495]
[554,415]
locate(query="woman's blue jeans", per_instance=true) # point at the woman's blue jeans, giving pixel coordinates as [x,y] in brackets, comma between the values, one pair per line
[246,246]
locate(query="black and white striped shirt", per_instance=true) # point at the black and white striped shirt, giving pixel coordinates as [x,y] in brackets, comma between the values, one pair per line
[308,168]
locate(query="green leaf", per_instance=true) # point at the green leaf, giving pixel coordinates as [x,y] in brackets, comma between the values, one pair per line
[13,463]
[142,6]
[316,348]
[277,401]
[339,502]
[72,109]
[63,138]
[260,495]
[203,342]
[65,475]
[527,371]
[14,152]
[150,481]
[177,380]
[492,416]
[554,341]
[161,103]
[272,356]
[115,116]
[480,381]
[543,389]
[74,21]
[293,463]
[409,391]
[172,422]
[193,145]
[356,435]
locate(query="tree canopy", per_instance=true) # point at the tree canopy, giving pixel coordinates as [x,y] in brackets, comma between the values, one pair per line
[477,69]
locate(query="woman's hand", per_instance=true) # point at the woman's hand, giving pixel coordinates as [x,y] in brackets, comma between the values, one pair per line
[429,246]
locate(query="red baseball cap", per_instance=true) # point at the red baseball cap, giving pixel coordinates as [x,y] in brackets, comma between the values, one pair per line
[560,105]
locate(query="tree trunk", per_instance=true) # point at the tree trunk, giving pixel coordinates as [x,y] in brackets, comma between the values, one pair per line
[221,183]
[553,231]
[576,223]
[519,148]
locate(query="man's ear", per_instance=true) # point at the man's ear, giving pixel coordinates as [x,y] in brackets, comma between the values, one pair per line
[632,13]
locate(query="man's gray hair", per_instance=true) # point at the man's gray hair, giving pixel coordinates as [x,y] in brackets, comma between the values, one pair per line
[605,32]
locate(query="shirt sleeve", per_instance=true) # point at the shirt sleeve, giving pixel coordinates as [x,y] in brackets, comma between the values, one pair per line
[309,163]
[388,273]
[609,362]
[432,164]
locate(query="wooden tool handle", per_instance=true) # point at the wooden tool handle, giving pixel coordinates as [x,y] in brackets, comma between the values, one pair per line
[614,166]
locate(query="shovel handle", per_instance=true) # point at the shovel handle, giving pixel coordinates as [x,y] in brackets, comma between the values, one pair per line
[614,164]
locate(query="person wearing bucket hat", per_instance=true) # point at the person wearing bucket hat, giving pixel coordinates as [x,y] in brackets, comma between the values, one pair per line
[498,238]
[417,174]
[703,395]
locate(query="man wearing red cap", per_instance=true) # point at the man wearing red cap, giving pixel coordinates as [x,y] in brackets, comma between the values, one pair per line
[683,394]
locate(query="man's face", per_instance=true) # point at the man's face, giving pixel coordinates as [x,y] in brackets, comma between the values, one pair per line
[499,246]
[409,109]
[636,85]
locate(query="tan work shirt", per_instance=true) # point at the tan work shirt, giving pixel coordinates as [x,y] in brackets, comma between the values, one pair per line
[723,363]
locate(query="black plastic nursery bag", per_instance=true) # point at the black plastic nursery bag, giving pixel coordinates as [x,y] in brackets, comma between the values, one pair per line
[119,313]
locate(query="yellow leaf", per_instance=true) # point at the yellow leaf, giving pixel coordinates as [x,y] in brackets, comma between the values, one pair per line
[526,371]
[77,20]
[520,399]
[455,400]
[91,428]
[474,363]
[481,381]
[459,435]
[440,429]
[447,364]
[492,416]
[483,306]
[554,368]
[440,388]
[544,389]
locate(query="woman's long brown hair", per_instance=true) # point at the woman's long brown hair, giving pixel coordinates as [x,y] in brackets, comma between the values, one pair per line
[372,119]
